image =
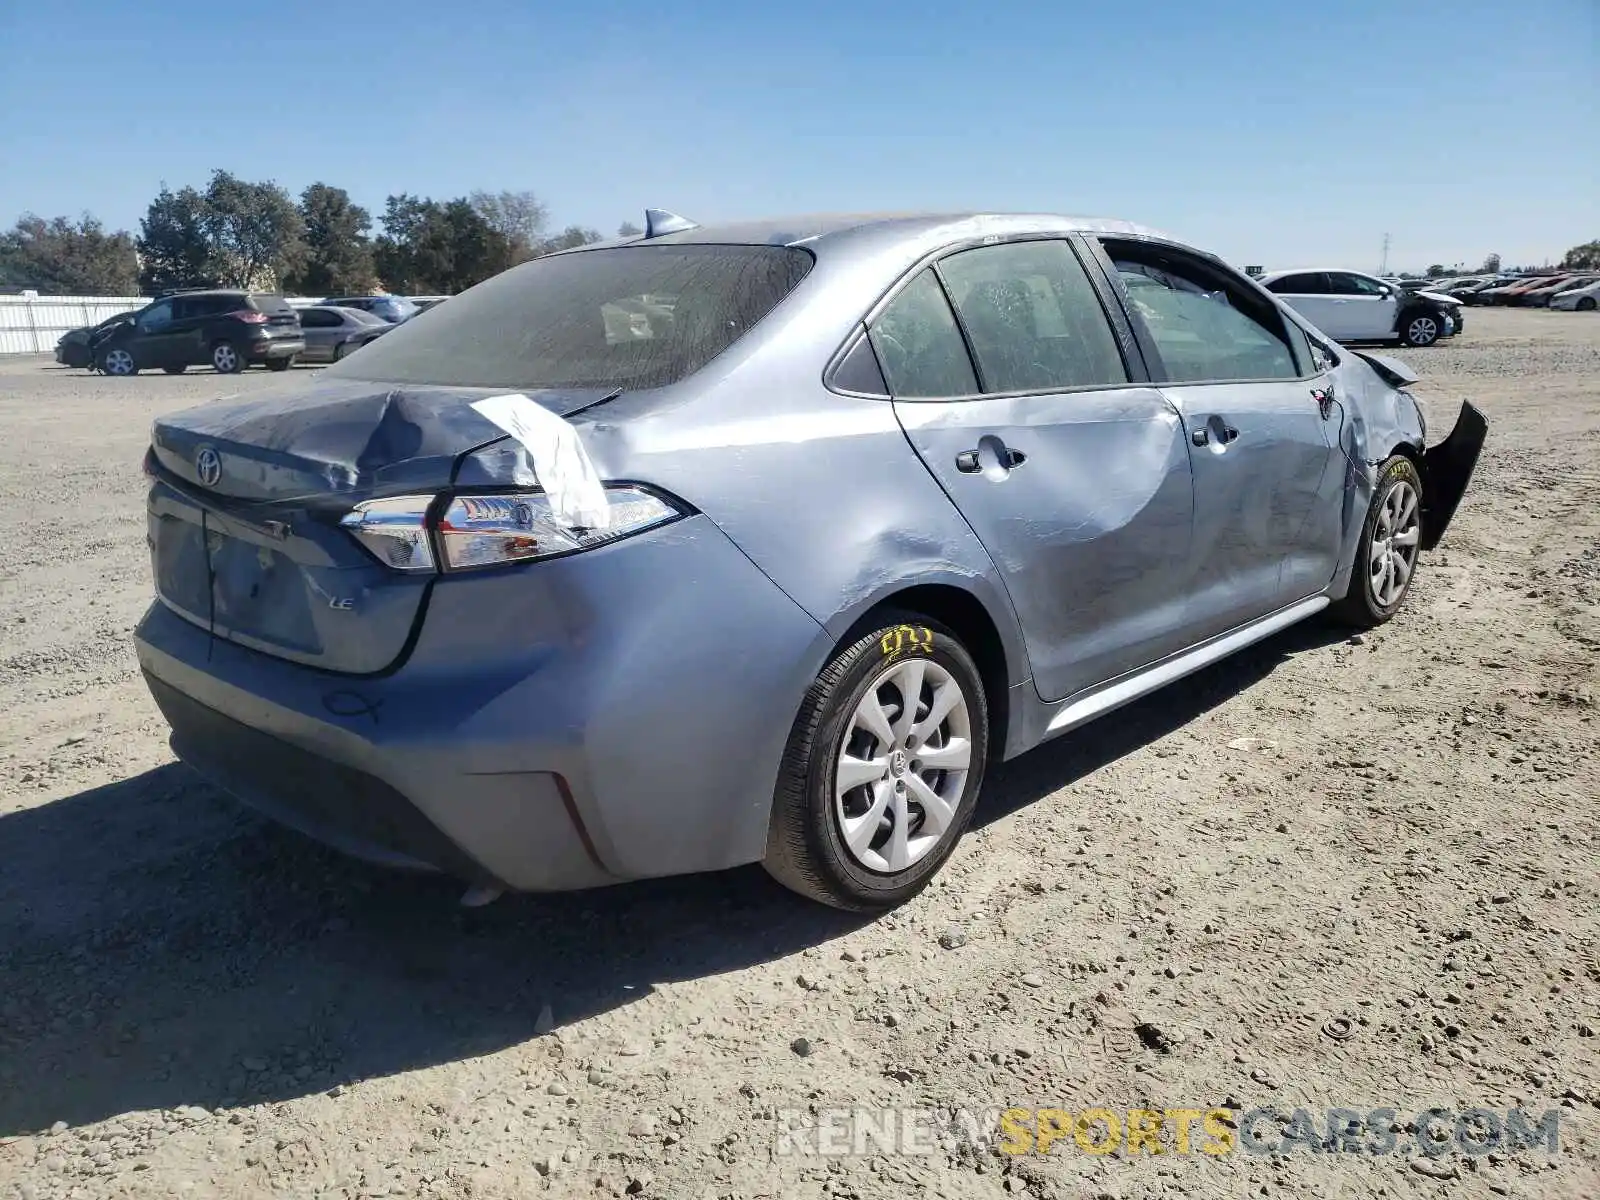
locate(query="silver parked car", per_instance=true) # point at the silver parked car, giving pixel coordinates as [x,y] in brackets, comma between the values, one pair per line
[331,332]
[875,502]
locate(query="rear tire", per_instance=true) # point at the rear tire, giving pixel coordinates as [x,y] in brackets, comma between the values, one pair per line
[1389,549]
[226,359]
[862,820]
[280,364]
[1421,328]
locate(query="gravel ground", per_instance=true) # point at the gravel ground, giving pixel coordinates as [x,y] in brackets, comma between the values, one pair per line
[1188,904]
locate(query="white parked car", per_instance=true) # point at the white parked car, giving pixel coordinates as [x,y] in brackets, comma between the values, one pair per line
[1584,299]
[1351,307]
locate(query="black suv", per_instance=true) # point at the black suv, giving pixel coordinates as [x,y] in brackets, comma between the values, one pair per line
[227,329]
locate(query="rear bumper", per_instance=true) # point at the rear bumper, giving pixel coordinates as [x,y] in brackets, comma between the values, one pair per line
[1447,469]
[609,716]
[274,348]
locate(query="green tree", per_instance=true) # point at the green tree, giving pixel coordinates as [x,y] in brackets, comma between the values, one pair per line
[1583,258]
[571,236]
[255,231]
[338,251]
[1436,270]
[68,258]
[413,252]
[1491,265]
[174,250]
[628,229]
[518,218]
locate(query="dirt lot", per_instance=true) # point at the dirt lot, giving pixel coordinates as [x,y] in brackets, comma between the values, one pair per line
[1166,909]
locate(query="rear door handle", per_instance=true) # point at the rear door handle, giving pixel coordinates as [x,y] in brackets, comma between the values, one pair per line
[969,462]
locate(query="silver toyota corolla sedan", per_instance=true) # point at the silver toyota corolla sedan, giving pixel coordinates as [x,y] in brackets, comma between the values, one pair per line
[872,503]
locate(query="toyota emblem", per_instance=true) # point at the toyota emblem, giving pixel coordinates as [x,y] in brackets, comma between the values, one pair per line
[208,466]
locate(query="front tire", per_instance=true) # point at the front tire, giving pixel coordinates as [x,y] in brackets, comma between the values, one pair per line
[118,362]
[1390,546]
[226,359]
[1586,304]
[1420,328]
[874,792]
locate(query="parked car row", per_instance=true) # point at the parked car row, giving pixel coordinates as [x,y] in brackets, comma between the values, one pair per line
[1352,307]
[231,329]
[1536,291]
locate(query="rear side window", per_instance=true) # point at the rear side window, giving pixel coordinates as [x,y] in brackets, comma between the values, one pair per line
[919,343]
[1311,283]
[1206,327]
[629,317]
[1033,318]
[319,318]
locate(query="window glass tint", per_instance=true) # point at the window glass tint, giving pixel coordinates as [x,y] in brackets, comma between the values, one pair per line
[859,372]
[156,314]
[629,317]
[319,318]
[1033,318]
[1343,284]
[919,344]
[1301,345]
[1308,284]
[1204,326]
[262,303]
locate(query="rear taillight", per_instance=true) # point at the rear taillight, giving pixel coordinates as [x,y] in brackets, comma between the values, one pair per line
[250,316]
[490,531]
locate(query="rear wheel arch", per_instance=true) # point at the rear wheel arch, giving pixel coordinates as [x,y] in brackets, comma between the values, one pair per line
[967,617]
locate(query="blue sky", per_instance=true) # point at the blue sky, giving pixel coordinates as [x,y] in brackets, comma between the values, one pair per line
[1269,131]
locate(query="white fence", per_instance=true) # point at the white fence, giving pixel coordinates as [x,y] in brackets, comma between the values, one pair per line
[34,324]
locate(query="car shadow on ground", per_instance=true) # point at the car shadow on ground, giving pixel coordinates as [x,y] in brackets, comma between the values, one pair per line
[160,947]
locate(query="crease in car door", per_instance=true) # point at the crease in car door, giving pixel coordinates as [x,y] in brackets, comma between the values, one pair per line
[1076,482]
[1265,460]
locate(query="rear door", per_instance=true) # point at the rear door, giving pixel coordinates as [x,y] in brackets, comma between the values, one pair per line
[321,329]
[1310,295]
[1072,470]
[1267,477]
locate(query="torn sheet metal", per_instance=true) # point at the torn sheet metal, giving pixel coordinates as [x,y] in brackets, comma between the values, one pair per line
[560,463]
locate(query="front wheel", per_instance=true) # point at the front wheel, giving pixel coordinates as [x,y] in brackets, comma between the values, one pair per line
[882,769]
[1420,328]
[1391,542]
[226,359]
[118,362]
[1586,304]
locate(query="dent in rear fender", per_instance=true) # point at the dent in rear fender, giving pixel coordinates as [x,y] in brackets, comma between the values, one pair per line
[821,491]
[660,676]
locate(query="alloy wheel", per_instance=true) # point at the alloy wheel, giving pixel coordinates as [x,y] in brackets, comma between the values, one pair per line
[902,765]
[1423,331]
[118,362]
[1395,542]
[224,358]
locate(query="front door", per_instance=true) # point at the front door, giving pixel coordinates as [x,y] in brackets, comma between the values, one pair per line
[153,337]
[1074,475]
[1262,438]
[1369,306]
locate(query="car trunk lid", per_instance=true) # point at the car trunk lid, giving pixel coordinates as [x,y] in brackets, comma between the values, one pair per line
[246,498]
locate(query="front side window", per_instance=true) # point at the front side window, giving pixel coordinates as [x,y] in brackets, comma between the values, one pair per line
[1206,326]
[156,315]
[1033,318]
[553,322]
[919,343]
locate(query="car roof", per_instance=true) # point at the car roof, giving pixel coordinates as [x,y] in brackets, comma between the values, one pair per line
[817,229]
[1315,271]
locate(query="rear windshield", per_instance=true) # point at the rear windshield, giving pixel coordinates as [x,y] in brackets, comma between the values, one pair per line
[270,304]
[630,317]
